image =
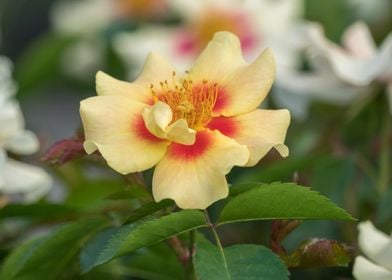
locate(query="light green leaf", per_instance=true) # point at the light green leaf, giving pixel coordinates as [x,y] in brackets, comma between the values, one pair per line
[126,239]
[238,262]
[48,255]
[280,201]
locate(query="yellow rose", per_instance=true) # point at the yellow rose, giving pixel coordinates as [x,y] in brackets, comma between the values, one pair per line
[194,128]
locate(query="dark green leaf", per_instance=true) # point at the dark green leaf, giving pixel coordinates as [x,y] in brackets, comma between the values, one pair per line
[280,201]
[278,170]
[89,195]
[116,242]
[157,262]
[148,209]
[131,192]
[240,188]
[48,255]
[36,211]
[238,262]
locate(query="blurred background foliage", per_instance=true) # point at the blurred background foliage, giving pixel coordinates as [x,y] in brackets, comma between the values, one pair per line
[337,151]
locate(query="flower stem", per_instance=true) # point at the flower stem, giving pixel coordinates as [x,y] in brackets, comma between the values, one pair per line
[218,242]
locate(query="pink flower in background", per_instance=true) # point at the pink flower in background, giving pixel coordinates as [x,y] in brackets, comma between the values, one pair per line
[257,23]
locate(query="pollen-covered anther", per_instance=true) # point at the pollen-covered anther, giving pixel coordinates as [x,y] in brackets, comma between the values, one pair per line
[189,101]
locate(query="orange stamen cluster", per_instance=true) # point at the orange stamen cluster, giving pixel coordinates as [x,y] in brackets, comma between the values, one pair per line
[192,102]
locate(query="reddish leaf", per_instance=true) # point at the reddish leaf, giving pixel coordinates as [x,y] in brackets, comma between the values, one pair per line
[315,253]
[65,151]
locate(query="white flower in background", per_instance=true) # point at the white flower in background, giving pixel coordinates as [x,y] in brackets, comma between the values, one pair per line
[375,11]
[82,17]
[16,177]
[85,17]
[340,74]
[258,24]
[87,20]
[377,247]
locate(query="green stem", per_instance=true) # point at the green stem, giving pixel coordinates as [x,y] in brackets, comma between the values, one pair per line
[218,242]
[384,163]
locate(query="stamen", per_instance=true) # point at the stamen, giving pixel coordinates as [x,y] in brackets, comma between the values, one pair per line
[194,103]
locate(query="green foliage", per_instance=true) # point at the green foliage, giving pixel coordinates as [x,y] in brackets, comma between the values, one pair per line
[88,195]
[41,62]
[36,211]
[48,255]
[280,201]
[126,239]
[149,225]
[238,262]
[148,209]
[157,262]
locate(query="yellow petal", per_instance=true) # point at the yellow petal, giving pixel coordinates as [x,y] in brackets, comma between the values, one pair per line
[221,56]
[259,130]
[242,87]
[194,175]
[157,118]
[156,69]
[107,85]
[180,133]
[247,87]
[114,126]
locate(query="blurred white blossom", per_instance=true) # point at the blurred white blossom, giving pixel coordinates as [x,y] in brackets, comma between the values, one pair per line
[377,247]
[82,17]
[87,20]
[17,177]
[258,23]
[338,74]
[375,11]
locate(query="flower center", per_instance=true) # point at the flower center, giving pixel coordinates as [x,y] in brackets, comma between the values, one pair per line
[192,102]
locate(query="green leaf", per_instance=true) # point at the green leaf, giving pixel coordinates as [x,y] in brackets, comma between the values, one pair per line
[238,262]
[157,262]
[48,255]
[126,239]
[131,192]
[280,201]
[282,169]
[36,211]
[89,195]
[240,188]
[148,209]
